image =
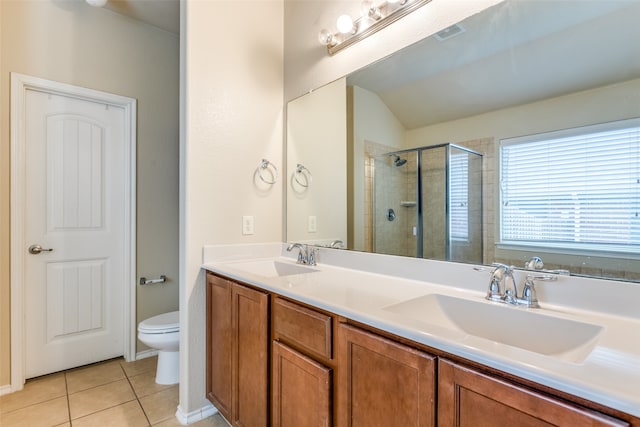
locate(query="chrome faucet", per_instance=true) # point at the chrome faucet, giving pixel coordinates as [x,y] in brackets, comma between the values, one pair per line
[337,244]
[503,287]
[306,255]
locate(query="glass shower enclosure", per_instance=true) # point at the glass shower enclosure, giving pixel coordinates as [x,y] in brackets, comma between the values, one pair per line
[427,203]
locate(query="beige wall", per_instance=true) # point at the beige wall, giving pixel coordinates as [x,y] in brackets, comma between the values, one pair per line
[233,82]
[71,42]
[232,118]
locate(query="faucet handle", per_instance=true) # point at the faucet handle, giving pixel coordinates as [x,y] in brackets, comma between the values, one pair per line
[502,285]
[312,253]
[529,296]
[495,292]
[534,263]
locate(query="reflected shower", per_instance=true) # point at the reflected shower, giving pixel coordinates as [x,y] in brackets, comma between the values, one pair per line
[431,210]
[398,161]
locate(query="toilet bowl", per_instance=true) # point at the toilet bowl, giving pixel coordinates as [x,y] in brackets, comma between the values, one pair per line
[162,332]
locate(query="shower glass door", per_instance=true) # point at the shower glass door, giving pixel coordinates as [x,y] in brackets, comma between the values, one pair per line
[427,203]
[465,206]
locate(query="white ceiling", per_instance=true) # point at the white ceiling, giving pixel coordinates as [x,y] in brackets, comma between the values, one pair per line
[513,53]
[164,14]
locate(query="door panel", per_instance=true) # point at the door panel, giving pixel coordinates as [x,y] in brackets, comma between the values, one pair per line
[75,186]
[75,303]
[75,205]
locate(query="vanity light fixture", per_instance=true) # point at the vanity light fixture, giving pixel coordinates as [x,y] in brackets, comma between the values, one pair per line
[374,16]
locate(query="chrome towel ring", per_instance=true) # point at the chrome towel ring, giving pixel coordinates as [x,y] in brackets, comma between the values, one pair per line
[273,171]
[302,173]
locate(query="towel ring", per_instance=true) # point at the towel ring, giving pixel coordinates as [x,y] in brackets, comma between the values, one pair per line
[265,164]
[301,170]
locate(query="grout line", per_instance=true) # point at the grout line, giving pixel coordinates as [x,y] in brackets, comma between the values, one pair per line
[66,389]
[67,394]
[135,394]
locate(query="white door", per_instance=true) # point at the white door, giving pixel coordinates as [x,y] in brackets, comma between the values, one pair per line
[75,216]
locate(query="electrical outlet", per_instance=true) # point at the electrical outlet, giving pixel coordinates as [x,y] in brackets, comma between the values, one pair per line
[247,225]
[312,224]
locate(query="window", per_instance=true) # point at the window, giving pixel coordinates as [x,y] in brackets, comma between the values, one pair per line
[578,188]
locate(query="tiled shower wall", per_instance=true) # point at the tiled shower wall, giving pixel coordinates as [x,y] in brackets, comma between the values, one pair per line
[387,186]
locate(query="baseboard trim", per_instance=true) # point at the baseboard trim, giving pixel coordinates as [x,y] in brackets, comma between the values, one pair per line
[146,353]
[195,416]
[5,389]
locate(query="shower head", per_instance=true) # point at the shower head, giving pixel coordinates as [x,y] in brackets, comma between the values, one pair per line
[398,161]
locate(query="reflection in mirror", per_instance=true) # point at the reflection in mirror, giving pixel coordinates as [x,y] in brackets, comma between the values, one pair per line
[519,71]
[317,166]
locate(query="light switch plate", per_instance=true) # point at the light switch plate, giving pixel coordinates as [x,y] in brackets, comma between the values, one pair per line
[312,224]
[247,225]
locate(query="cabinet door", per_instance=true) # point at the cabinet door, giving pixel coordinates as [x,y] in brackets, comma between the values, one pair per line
[250,356]
[382,382]
[300,390]
[219,344]
[469,398]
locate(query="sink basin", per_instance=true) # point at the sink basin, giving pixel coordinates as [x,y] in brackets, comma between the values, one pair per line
[272,268]
[551,336]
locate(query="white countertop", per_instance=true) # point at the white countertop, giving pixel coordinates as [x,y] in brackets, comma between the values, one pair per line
[608,375]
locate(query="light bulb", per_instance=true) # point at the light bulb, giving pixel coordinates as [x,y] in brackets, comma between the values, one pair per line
[345,24]
[368,9]
[326,38]
[97,3]
[365,7]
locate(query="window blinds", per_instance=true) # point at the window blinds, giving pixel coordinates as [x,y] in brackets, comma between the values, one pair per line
[578,188]
[459,196]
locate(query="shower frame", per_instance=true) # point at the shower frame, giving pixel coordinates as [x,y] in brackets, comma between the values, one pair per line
[419,188]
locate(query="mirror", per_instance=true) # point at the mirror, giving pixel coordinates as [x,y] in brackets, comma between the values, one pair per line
[518,68]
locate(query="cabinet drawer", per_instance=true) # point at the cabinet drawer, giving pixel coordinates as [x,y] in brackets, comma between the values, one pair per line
[302,327]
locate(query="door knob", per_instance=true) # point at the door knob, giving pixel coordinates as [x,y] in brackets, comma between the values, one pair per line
[36,249]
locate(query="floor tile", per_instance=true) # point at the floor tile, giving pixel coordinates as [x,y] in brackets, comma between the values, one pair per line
[36,390]
[139,366]
[212,421]
[162,405]
[46,414]
[93,376]
[145,384]
[126,415]
[98,398]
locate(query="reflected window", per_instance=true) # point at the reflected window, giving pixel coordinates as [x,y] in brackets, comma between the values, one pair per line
[459,196]
[577,188]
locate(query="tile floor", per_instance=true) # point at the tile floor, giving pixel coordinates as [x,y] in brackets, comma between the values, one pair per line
[112,393]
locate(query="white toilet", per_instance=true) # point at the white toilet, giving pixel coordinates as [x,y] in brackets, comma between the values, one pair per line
[162,332]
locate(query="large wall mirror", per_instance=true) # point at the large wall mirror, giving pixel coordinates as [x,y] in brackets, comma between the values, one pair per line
[514,133]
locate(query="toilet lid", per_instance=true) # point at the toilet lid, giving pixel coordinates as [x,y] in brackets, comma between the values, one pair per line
[161,324]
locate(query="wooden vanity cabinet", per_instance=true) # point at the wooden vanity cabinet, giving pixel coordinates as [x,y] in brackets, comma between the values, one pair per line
[467,397]
[237,351]
[325,373]
[301,366]
[382,382]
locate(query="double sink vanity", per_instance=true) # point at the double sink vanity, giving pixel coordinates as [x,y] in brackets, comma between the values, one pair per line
[367,339]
